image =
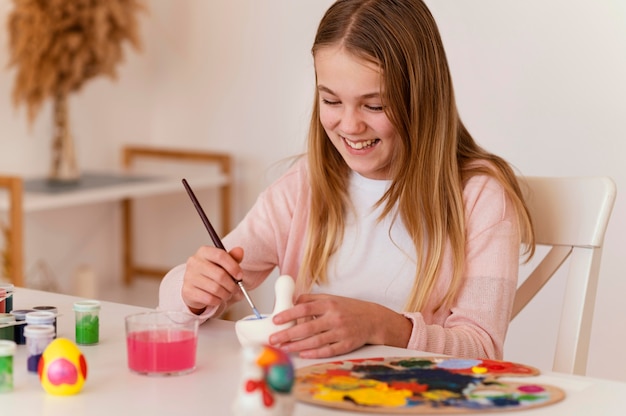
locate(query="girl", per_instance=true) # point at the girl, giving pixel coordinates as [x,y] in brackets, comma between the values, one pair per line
[398,228]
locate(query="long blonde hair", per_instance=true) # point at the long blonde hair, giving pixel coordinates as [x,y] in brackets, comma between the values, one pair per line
[436,156]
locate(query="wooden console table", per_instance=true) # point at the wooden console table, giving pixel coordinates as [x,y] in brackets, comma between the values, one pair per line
[121,186]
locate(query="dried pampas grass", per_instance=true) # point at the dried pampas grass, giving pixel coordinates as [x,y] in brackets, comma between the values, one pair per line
[58,45]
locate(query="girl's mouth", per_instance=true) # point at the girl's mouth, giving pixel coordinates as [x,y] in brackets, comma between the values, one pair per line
[360,145]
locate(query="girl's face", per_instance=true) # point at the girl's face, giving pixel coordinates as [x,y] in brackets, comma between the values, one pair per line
[352,112]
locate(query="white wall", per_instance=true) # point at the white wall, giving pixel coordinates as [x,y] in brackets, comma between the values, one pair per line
[540,83]
[544,85]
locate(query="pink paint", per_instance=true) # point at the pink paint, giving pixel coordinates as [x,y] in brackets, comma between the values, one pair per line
[161,351]
[532,388]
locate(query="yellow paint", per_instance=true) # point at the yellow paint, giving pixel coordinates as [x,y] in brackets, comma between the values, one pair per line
[439,395]
[479,370]
[365,392]
[349,383]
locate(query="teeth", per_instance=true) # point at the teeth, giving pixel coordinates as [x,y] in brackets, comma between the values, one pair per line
[360,145]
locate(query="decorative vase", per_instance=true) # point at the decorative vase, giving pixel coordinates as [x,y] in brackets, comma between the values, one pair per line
[64,169]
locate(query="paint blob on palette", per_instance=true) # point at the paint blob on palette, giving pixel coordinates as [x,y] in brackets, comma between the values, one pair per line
[422,385]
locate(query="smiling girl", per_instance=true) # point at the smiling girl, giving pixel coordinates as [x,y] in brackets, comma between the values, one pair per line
[398,228]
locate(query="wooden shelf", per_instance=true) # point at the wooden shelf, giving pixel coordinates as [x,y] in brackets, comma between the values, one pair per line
[27,195]
[134,187]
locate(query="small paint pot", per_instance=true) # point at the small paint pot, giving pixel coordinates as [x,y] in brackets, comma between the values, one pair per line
[42,318]
[8,302]
[7,321]
[37,339]
[7,351]
[18,330]
[52,309]
[87,316]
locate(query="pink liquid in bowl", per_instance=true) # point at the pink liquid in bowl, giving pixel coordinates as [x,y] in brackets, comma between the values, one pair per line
[161,351]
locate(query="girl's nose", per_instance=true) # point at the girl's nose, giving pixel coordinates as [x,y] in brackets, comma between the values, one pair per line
[351,121]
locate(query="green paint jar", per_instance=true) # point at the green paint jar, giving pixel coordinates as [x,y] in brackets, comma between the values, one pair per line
[7,351]
[7,321]
[87,317]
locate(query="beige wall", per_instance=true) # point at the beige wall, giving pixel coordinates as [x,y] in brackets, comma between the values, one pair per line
[541,83]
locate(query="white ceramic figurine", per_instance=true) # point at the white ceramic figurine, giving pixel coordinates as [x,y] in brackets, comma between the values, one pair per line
[254,331]
[267,378]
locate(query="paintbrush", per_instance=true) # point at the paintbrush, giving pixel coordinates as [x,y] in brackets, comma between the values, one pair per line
[217,242]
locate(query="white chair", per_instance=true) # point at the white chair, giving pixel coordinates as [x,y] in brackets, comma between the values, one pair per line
[570,215]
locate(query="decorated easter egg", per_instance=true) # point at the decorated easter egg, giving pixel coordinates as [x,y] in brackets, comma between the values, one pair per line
[277,368]
[266,384]
[62,368]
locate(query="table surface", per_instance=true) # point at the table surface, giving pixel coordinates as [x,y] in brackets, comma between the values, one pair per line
[211,388]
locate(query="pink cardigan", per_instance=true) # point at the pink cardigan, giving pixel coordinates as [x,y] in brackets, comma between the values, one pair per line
[272,234]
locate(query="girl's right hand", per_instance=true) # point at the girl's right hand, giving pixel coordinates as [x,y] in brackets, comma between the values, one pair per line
[208,279]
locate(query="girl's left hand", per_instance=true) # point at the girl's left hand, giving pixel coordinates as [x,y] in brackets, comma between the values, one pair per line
[332,325]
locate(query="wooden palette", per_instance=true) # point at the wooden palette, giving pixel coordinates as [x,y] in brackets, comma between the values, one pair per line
[422,385]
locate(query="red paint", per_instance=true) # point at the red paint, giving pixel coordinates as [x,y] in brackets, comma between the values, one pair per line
[83,366]
[252,385]
[412,387]
[162,351]
[499,367]
[338,372]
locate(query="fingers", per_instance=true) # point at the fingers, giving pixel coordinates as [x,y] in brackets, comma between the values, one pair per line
[237,254]
[307,307]
[325,326]
[323,343]
[228,261]
[208,279]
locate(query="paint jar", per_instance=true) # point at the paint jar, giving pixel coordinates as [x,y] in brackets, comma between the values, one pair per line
[161,342]
[37,339]
[18,329]
[7,351]
[7,321]
[3,302]
[52,309]
[8,302]
[42,318]
[87,317]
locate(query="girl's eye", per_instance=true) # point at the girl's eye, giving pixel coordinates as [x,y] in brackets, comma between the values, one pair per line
[329,102]
[374,107]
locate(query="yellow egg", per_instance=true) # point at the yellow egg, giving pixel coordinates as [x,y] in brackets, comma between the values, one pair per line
[62,368]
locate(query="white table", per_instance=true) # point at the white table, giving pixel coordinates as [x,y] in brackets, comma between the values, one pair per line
[111,389]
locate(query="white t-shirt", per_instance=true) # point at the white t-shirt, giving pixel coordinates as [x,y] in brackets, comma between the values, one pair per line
[376,261]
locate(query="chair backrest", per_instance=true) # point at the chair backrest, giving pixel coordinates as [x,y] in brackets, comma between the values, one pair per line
[571,215]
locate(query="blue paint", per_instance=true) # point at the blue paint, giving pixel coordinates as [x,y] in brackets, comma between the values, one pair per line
[459,364]
[33,362]
[437,379]
[255,318]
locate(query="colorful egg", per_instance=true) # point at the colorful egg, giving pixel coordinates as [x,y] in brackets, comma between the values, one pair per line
[277,369]
[62,368]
